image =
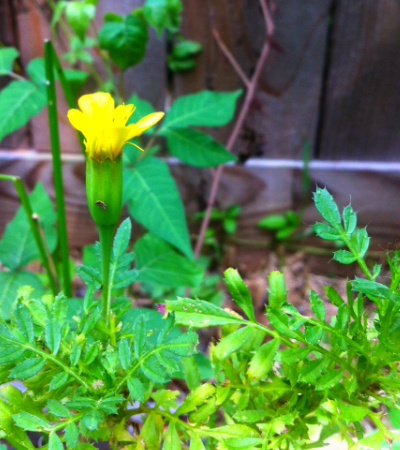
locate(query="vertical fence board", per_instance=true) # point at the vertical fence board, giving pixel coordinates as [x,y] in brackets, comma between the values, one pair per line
[361,114]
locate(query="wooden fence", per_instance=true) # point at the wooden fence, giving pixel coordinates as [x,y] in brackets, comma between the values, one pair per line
[332,78]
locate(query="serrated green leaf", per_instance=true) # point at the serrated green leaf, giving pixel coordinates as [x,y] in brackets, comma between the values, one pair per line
[92,419]
[154,201]
[136,389]
[58,409]
[92,352]
[122,238]
[60,309]
[53,334]
[19,101]
[10,282]
[195,442]
[124,353]
[330,379]
[158,262]
[110,404]
[191,373]
[239,291]
[232,342]
[362,240]
[75,354]
[352,413]
[7,57]
[250,416]
[326,232]
[153,371]
[24,322]
[372,289]
[71,435]
[172,441]
[206,108]
[200,314]
[29,422]
[17,246]
[139,335]
[10,353]
[349,219]
[312,370]
[277,290]
[342,319]
[317,306]
[167,361]
[291,355]
[333,296]
[125,40]
[280,322]
[58,381]
[196,148]
[327,207]
[344,257]
[81,403]
[27,368]
[313,334]
[263,360]
[196,398]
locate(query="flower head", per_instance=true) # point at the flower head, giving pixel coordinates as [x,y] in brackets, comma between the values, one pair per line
[105,126]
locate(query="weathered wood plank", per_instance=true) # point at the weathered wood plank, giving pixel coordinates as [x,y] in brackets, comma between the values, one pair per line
[360,118]
[286,107]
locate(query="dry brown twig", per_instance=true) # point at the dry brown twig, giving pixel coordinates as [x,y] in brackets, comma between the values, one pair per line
[251,86]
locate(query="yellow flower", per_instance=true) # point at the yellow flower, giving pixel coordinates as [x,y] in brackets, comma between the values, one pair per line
[104,126]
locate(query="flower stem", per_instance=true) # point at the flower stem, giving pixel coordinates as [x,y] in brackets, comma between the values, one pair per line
[26,204]
[106,234]
[57,170]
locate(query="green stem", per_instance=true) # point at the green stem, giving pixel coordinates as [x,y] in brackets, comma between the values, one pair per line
[57,170]
[69,96]
[26,204]
[106,234]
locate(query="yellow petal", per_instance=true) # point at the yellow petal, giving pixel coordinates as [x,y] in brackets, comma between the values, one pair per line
[118,137]
[91,104]
[79,120]
[144,124]
[122,114]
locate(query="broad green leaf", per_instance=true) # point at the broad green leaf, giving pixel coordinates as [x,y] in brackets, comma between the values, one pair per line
[7,57]
[344,257]
[325,232]
[136,389]
[263,360]
[371,442]
[57,408]
[239,291]
[24,322]
[27,368]
[154,201]
[125,40]
[373,289]
[231,343]
[124,353]
[185,49]
[71,435]
[327,207]
[53,334]
[317,306]
[313,334]
[158,262]
[312,370]
[171,440]
[19,101]
[201,314]
[58,381]
[29,422]
[191,372]
[17,246]
[330,379]
[196,148]
[277,290]
[162,14]
[37,72]
[206,108]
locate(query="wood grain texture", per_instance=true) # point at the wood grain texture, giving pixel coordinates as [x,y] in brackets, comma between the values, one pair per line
[286,107]
[361,114]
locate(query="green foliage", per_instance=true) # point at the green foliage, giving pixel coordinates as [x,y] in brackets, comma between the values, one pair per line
[125,39]
[163,14]
[7,57]
[182,56]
